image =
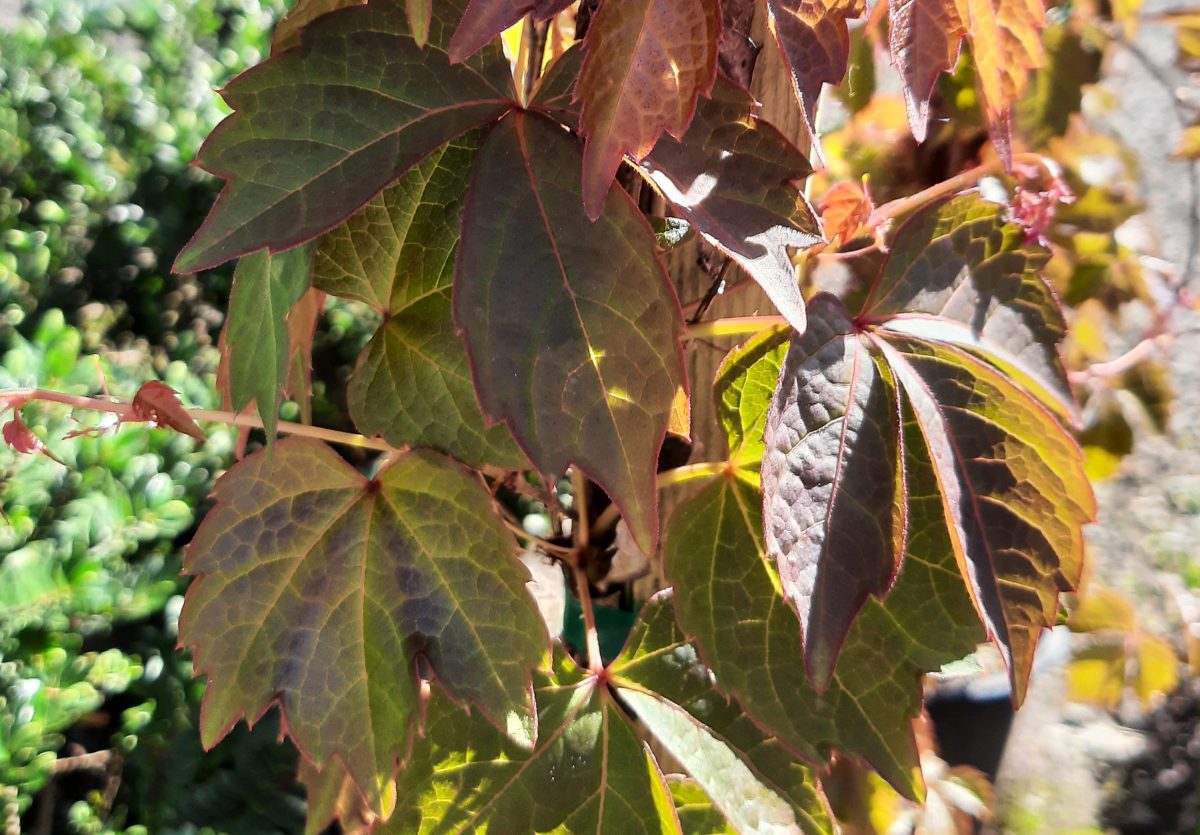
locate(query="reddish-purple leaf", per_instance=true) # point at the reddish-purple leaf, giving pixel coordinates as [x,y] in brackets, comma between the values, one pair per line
[646,63]
[21,439]
[288,30]
[158,403]
[318,131]
[924,37]
[815,42]
[572,327]
[959,273]
[734,178]
[324,592]
[486,19]
[832,481]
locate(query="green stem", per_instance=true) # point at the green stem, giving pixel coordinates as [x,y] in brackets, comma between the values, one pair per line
[693,472]
[734,326]
[957,183]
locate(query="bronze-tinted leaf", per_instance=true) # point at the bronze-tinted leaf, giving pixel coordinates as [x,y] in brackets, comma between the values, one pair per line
[287,31]
[1015,493]
[320,590]
[486,19]
[1006,42]
[815,42]
[925,37]
[571,326]
[734,177]
[647,62]
[832,481]
[957,272]
[319,130]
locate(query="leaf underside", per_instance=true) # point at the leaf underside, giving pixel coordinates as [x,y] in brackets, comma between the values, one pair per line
[319,130]
[925,37]
[647,62]
[815,42]
[412,385]
[571,326]
[834,528]
[319,590]
[734,177]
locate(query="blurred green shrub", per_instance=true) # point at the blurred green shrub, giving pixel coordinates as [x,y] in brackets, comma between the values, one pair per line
[102,105]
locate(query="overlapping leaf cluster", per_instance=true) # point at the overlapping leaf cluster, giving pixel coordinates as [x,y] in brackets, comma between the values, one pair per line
[892,469]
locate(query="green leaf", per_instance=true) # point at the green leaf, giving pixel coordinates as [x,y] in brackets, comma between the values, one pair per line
[322,591]
[697,814]
[589,772]
[959,274]
[412,385]
[744,386]
[319,130]
[832,480]
[420,18]
[1056,91]
[728,599]
[572,326]
[1014,489]
[486,19]
[265,288]
[757,784]
[733,177]
[332,795]
[646,64]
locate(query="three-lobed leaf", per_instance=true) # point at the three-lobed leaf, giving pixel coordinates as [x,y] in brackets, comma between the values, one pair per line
[571,326]
[646,64]
[412,385]
[319,130]
[326,592]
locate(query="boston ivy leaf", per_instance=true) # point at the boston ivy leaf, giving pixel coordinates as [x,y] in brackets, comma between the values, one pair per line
[257,344]
[831,473]
[588,773]
[958,273]
[572,327]
[555,94]
[815,43]
[696,811]
[319,130]
[647,62]
[727,598]
[733,177]
[412,385]
[321,590]
[486,19]
[757,784]
[1014,489]
[1006,43]
[743,389]
[287,31]
[925,37]
[155,402]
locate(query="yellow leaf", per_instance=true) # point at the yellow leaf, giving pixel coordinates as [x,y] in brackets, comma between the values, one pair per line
[1097,676]
[1103,610]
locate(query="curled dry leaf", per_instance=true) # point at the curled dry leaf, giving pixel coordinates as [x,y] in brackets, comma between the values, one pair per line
[157,403]
[21,438]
